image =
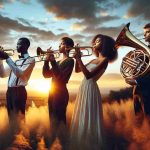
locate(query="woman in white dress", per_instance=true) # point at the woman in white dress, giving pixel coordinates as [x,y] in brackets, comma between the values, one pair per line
[87,119]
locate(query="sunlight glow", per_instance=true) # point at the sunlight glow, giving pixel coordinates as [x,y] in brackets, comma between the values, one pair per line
[77,26]
[41,86]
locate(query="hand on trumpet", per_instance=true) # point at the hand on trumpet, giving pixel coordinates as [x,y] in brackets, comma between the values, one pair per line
[77,54]
[50,57]
[3,55]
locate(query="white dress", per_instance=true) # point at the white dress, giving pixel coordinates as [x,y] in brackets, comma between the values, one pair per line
[87,119]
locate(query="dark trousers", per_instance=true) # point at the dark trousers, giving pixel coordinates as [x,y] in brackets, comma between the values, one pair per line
[141,101]
[138,99]
[57,102]
[16,100]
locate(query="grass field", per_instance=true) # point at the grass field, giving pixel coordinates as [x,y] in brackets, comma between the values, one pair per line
[122,130]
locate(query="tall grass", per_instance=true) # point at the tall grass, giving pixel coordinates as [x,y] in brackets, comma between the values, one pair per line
[122,129]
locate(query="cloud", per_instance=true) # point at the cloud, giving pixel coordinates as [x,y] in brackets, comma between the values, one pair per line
[60,29]
[2,2]
[35,34]
[25,22]
[8,25]
[72,9]
[91,15]
[111,31]
[88,12]
[137,8]
[78,27]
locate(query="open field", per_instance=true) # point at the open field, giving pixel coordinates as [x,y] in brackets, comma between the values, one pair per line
[122,130]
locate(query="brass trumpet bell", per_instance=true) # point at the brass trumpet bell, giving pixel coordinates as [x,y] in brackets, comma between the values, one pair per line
[10,52]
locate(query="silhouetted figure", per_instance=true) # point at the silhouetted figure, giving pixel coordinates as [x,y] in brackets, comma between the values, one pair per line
[60,73]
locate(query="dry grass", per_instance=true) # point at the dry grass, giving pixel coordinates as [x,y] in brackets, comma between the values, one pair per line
[123,131]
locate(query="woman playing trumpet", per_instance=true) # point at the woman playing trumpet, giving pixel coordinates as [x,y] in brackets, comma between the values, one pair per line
[58,95]
[87,119]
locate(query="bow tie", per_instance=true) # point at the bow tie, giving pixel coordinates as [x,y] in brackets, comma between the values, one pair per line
[20,56]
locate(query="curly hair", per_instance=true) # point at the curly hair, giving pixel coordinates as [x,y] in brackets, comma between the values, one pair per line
[68,41]
[147,26]
[107,48]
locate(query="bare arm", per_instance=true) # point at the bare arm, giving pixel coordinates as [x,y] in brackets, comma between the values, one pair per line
[103,64]
[77,68]
[47,72]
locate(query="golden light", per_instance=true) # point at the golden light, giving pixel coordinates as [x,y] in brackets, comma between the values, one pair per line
[40,85]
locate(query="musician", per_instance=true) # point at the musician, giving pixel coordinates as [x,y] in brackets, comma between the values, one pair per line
[19,75]
[60,73]
[141,91]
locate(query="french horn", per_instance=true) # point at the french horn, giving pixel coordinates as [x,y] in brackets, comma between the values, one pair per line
[137,62]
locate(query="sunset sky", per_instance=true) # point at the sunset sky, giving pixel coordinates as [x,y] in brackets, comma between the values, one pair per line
[45,22]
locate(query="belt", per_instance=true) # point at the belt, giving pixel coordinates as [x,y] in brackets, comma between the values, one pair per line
[16,87]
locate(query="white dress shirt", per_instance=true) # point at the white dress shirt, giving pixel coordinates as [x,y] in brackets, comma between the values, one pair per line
[17,70]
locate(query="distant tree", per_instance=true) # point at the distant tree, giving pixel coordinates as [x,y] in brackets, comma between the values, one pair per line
[122,94]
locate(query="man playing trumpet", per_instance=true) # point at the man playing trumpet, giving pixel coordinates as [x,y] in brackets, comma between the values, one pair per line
[141,91]
[19,75]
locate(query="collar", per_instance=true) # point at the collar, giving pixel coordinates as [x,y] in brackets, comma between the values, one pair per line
[24,55]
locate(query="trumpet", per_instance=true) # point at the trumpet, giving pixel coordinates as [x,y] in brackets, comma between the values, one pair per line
[41,55]
[84,50]
[10,52]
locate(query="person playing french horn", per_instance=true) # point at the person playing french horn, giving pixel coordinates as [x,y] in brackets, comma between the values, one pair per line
[141,90]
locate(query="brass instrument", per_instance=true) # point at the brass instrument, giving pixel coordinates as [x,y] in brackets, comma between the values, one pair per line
[41,55]
[84,50]
[10,52]
[136,63]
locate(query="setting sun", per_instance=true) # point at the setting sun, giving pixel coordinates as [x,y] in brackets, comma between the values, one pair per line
[40,85]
